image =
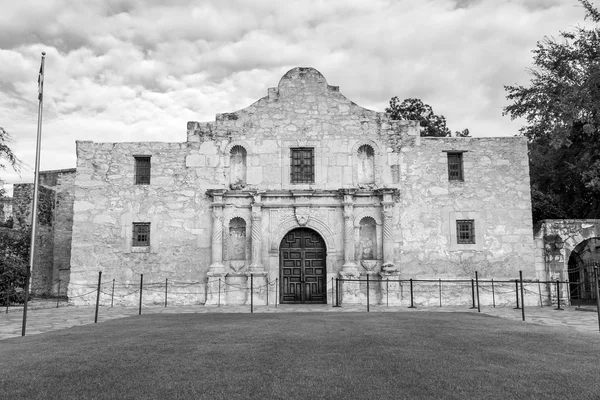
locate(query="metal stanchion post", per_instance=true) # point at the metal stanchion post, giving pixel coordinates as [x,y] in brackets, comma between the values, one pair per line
[251,293]
[219,296]
[440,287]
[337,292]
[368,293]
[141,289]
[332,291]
[387,292]
[522,296]
[477,287]
[597,279]
[268,290]
[517,294]
[558,295]
[412,304]
[98,296]
[493,294]
[58,294]
[276,291]
[472,294]
[8,291]
[166,286]
[540,292]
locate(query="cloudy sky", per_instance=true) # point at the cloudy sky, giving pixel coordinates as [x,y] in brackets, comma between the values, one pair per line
[138,70]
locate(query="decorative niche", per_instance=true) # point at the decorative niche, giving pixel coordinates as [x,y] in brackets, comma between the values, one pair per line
[367,244]
[237,244]
[365,171]
[237,167]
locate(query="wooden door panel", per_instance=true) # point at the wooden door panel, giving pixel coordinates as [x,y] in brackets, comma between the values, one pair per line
[302,267]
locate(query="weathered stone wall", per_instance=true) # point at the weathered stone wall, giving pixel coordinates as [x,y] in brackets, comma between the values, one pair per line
[495,193]
[364,163]
[107,202]
[53,233]
[5,209]
[555,240]
[41,273]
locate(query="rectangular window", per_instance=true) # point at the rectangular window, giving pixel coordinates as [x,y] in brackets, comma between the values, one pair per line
[302,165]
[141,234]
[142,170]
[455,167]
[465,231]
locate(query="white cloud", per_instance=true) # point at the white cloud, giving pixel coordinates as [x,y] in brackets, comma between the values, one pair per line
[139,70]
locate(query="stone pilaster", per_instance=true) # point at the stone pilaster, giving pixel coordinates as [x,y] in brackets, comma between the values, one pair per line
[349,262]
[216,270]
[256,266]
[387,205]
[350,286]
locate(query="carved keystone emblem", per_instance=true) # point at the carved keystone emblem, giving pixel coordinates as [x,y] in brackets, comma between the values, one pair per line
[302,215]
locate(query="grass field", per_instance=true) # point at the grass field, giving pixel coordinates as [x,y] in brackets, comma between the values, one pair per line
[303,355]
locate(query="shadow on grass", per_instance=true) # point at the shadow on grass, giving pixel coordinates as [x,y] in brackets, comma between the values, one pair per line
[302,355]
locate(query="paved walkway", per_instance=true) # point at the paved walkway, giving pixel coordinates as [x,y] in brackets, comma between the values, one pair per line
[43,316]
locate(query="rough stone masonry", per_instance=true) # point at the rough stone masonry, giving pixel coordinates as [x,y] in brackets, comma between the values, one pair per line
[298,188]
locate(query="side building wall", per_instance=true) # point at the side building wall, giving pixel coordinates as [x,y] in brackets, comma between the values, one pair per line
[54,226]
[495,193]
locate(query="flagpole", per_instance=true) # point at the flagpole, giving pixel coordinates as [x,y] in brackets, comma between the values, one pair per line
[35,190]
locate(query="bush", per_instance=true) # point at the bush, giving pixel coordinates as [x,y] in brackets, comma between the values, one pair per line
[13,273]
[14,256]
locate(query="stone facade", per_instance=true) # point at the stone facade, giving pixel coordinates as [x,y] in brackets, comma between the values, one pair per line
[220,204]
[54,225]
[566,250]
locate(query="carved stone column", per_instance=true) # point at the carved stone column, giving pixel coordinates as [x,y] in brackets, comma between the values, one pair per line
[390,286]
[350,285]
[216,270]
[387,205]
[257,277]
[349,262]
[256,265]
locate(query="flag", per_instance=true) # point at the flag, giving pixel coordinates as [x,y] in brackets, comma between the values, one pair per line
[41,81]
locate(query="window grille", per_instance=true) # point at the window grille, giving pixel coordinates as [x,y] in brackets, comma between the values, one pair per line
[302,165]
[142,170]
[465,231]
[141,234]
[455,167]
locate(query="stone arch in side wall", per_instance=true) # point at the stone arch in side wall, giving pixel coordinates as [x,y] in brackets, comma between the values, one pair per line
[558,239]
[314,223]
[367,164]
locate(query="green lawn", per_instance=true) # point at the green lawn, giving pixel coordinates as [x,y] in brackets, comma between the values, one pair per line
[305,355]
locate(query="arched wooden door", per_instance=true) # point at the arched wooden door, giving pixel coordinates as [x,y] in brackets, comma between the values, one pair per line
[302,267]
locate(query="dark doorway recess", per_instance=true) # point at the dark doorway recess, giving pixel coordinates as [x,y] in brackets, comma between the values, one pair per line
[302,269]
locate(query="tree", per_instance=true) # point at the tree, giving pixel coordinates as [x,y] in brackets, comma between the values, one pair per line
[6,154]
[561,107]
[14,248]
[415,110]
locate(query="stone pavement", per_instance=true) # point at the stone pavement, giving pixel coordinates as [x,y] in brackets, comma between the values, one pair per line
[43,316]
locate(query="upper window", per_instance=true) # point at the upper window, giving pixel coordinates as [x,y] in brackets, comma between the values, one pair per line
[141,234]
[455,166]
[465,231]
[142,170]
[302,165]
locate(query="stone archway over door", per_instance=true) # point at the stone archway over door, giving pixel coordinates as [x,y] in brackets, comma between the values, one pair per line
[302,269]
